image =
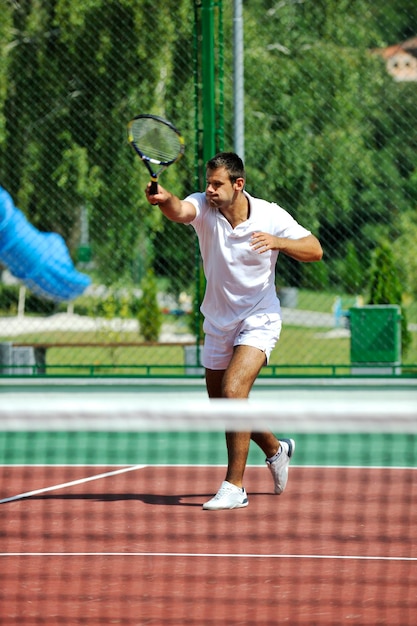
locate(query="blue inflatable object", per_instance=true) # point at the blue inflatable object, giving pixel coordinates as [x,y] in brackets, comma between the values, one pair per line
[40,260]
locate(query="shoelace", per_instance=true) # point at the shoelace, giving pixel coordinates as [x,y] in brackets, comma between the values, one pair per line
[223,491]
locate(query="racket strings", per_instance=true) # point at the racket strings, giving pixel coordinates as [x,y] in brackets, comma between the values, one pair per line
[158,143]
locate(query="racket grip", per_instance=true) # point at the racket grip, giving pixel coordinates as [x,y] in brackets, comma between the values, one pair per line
[153,189]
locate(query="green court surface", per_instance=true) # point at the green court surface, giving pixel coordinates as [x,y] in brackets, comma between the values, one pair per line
[205,448]
[344,447]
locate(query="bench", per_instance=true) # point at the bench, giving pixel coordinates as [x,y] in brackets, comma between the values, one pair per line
[22,357]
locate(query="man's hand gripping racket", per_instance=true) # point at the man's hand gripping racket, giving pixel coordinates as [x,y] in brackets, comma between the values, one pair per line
[158,144]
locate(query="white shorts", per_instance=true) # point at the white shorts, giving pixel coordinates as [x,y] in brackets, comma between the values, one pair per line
[261,331]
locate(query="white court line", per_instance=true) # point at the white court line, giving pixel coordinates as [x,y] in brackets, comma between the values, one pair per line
[80,481]
[221,555]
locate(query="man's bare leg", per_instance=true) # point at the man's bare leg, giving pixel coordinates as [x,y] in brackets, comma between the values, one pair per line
[236,382]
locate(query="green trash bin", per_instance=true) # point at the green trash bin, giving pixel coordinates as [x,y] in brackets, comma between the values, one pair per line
[375,339]
[84,253]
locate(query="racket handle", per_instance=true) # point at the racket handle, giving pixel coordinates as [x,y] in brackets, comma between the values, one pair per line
[154,186]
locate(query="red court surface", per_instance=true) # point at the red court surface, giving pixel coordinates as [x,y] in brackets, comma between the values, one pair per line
[339,547]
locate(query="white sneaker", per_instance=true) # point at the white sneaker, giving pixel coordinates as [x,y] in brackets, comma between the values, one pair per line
[228,497]
[279,467]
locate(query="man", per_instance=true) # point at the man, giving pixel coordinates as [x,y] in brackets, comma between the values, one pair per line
[240,238]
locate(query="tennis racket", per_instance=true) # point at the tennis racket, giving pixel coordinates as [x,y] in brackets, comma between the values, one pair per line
[157,142]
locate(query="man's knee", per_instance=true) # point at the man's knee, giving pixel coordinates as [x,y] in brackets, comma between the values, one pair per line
[232,388]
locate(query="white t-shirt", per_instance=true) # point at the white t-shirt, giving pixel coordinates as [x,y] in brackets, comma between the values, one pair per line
[240,281]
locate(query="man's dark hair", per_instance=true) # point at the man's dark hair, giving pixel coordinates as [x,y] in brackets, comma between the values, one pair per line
[231,162]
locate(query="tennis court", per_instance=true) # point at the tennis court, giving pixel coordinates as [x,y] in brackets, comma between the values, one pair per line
[111,529]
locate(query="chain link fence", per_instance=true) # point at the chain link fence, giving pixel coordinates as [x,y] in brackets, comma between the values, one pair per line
[329,134]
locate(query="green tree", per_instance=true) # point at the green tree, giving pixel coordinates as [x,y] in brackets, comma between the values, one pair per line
[404,250]
[352,275]
[77,71]
[385,287]
[149,314]
[328,134]
[5,35]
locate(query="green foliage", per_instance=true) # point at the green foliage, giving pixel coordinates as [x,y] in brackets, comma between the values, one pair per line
[325,135]
[404,249]
[333,129]
[315,276]
[384,284]
[351,271]
[76,72]
[9,298]
[149,314]
[385,287]
[329,135]
[183,256]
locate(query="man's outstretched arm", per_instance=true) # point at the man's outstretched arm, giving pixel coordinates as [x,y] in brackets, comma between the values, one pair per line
[171,206]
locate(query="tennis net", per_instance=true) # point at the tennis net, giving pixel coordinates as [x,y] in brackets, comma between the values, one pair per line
[101,514]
